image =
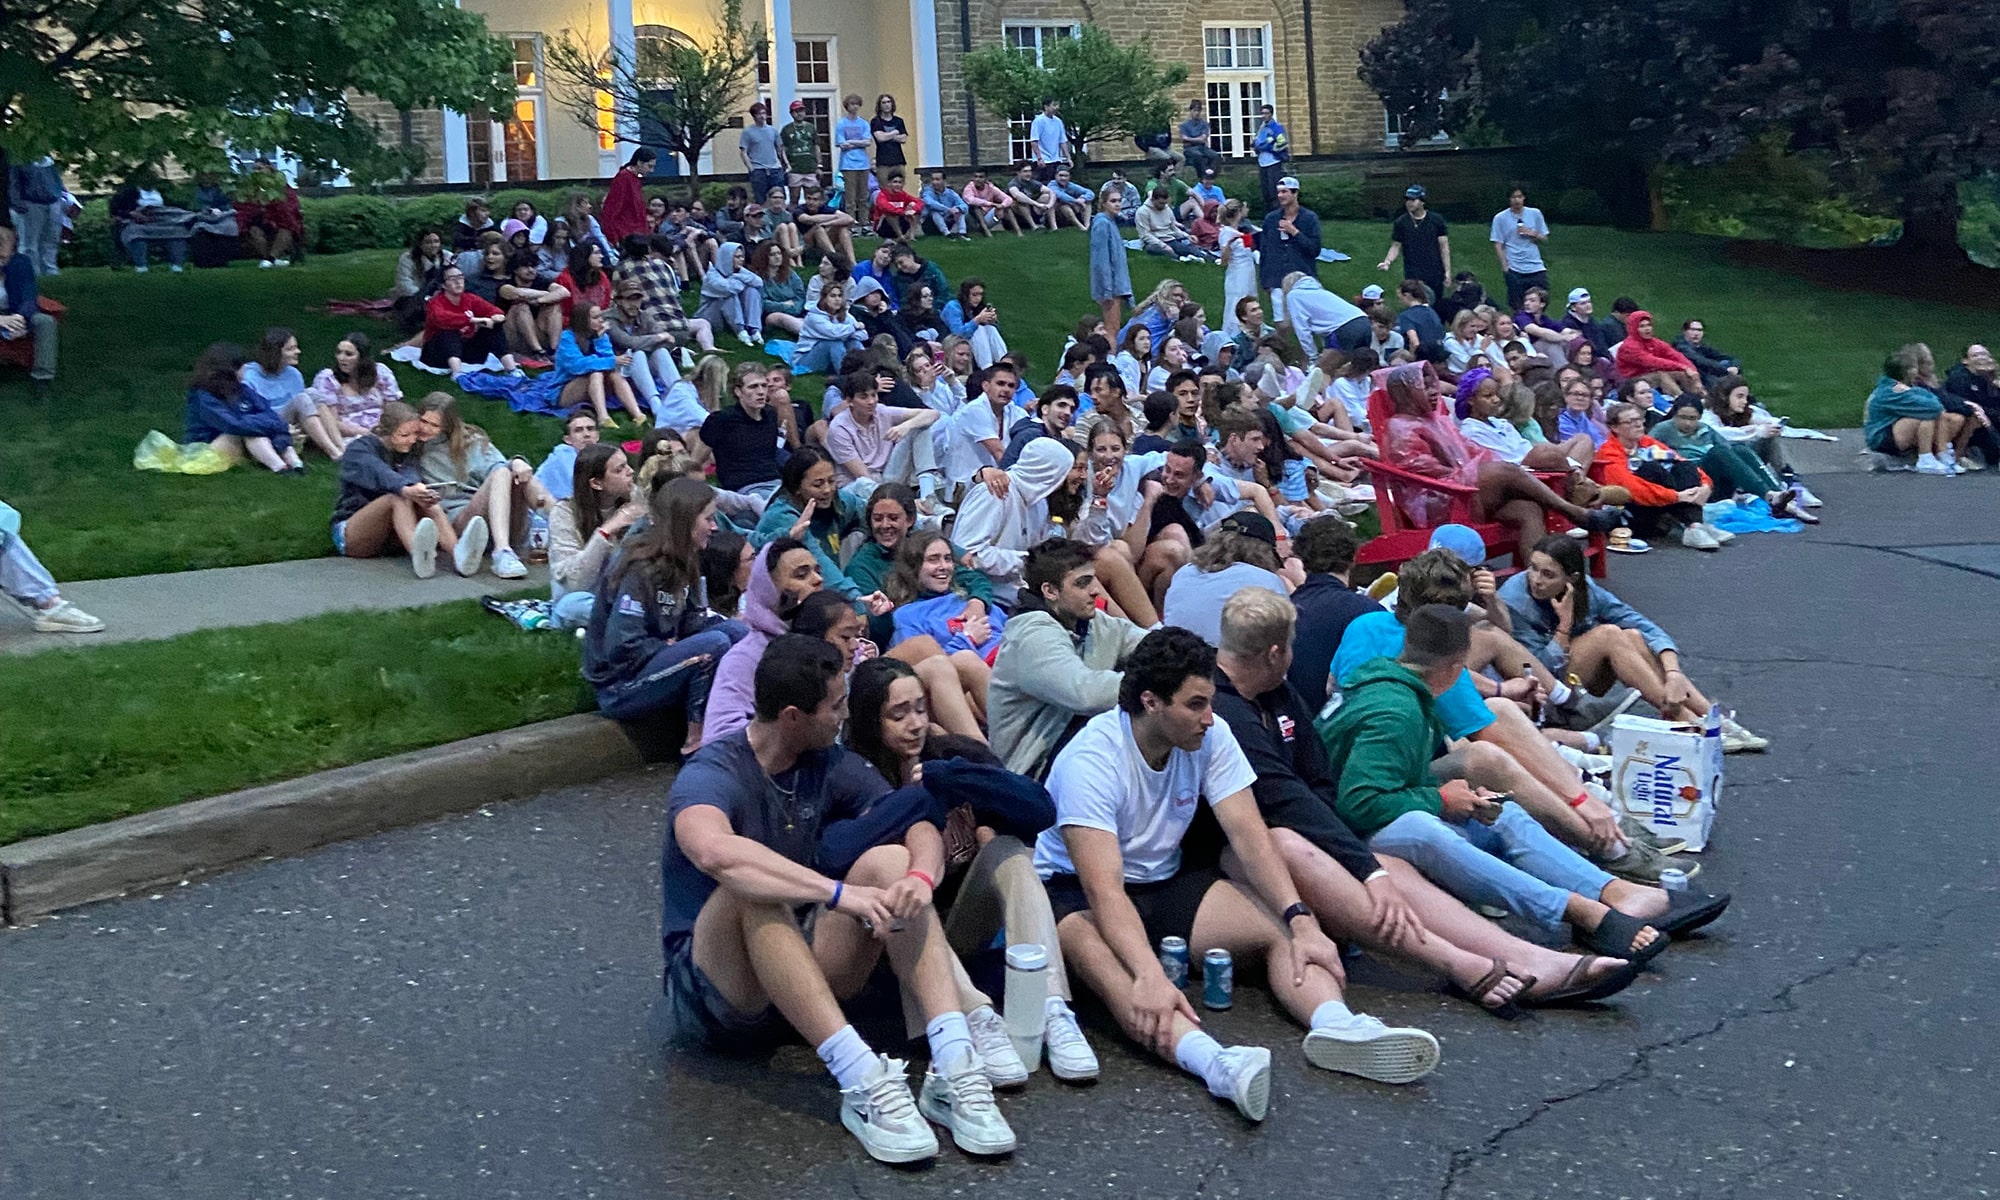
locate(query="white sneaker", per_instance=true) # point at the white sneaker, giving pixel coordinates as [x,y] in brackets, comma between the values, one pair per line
[1372,1050]
[1070,1057]
[1806,498]
[66,618]
[424,549]
[743,337]
[281,262]
[1243,1077]
[961,1100]
[176,268]
[881,1113]
[1694,537]
[1738,740]
[266,265]
[470,549]
[1931,464]
[140,268]
[1722,536]
[1002,1062]
[508,565]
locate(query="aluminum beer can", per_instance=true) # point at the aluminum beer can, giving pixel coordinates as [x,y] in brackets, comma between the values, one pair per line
[1674,880]
[1218,980]
[1174,960]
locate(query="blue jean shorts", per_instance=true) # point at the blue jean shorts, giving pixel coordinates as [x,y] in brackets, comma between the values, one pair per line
[701,1015]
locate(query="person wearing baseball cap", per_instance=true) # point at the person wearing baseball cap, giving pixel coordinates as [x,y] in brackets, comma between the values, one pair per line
[1420,239]
[800,138]
[759,148]
[1241,552]
[1580,319]
[1372,294]
[1289,242]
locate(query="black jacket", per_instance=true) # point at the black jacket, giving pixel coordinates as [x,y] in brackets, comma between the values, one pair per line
[1296,784]
[1325,605]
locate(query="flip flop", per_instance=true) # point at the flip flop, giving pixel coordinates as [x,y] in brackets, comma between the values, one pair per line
[1690,915]
[1613,938]
[1577,989]
[1486,983]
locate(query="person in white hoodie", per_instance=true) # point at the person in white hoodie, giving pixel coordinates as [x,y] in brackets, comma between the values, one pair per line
[733,295]
[997,531]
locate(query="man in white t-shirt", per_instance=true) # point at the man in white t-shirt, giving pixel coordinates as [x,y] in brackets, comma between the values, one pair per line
[975,437]
[1051,140]
[1517,235]
[1127,790]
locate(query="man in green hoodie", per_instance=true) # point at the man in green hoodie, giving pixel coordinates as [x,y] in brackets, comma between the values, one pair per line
[1477,845]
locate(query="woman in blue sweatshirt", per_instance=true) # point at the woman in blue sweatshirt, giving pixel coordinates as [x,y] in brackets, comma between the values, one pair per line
[228,415]
[586,365]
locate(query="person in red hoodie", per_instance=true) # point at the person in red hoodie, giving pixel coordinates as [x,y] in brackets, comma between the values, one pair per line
[459,326]
[897,209]
[624,211]
[1667,490]
[1643,355]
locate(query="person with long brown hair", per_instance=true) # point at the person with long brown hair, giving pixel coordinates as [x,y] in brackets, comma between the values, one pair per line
[585,530]
[381,496]
[587,367]
[476,480]
[347,397]
[651,642]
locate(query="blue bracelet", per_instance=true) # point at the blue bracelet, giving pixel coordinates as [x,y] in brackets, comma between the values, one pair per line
[835,902]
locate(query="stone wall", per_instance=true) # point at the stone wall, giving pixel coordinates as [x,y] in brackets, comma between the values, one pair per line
[426,131]
[1349,116]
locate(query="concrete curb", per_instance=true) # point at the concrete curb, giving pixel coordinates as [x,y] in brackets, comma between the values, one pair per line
[42,875]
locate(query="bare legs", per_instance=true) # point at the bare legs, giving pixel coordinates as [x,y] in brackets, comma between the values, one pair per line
[1611,653]
[952,709]
[369,530]
[592,386]
[1121,583]
[505,502]
[257,448]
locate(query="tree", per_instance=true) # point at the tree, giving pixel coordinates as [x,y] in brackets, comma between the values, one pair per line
[677,90]
[1903,96]
[108,86]
[1106,90]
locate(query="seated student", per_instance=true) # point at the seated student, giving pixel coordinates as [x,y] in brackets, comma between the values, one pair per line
[969,316]
[1419,325]
[475,220]
[1117,878]
[896,210]
[808,507]
[1241,552]
[273,373]
[1667,490]
[869,304]
[1736,417]
[347,398]
[557,470]
[1693,345]
[419,273]
[744,436]
[485,267]
[1470,343]
[226,413]
[997,531]
[872,443]
[1054,413]
[985,202]
[1485,426]
[730,872]
[651,644]
[1031,205]
[944,210]
[1641,355]
[1734,469]
[825,227]
[782,574]
[381,497]
[828,333]
[585,529]
[919,314]
[1381,902]
[654,273]
[1073,200]
[1129,199]
[966,628]
[1579,629]
[732,297]
[552,253]
[1160,234]
[585,278]
[478,484]
[1544,330]
[140,215]
[1059,658]
[1581,414]
[587,368]
[974,437]
[1972,380]
[782,292]
[989,813]
[1475,844]
[643,342]
[1134,359]
[534,310]
[21,315]
[1326,604]
[1903,415]
[25,581]
[461,331]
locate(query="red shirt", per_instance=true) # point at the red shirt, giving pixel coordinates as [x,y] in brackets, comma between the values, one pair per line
[442,314]
[897,204]
[599,295]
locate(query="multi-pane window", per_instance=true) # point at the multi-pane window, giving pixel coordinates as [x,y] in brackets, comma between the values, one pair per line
[1236,47]
[815,62]
[1030,40]
[502,147]
[1236,78]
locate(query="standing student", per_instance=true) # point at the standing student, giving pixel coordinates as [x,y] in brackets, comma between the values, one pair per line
[34,194]
[1420,238]
[1273,148]
[1110,274]
[851,140]
[1239,263]
[1517,235]
[800,138]
[889,134]
[1288,242]
[762,152]
[1051,139]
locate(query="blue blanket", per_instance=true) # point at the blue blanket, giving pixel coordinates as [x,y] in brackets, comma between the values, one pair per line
[1752,517]
[538,395]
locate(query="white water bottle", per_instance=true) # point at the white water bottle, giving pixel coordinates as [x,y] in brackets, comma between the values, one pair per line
[1027,993]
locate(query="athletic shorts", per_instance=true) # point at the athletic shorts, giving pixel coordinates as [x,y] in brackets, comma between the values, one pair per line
[700,1013]
[1167,908]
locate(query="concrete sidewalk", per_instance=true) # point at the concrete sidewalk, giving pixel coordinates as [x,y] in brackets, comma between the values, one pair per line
[148,607]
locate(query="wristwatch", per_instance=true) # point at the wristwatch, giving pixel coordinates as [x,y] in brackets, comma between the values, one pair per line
[1293,913]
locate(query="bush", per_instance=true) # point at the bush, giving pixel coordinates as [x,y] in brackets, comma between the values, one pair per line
[1335,196]
[1768,194]
[1979,220]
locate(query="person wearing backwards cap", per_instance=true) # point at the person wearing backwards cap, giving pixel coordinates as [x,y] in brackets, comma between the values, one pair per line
[1289,242]
[1578,318]
[800,139]
[1242,552]
[1420,239]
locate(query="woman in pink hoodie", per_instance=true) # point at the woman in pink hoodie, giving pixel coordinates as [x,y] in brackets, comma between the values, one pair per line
[784,574]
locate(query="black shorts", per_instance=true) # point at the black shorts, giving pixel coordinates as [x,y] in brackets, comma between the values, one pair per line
[700,1013]
[1167,908]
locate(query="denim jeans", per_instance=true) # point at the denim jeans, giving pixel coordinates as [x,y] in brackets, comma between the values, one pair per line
[22,575]
[1513,863]
[669,679]
[571,610]
[651,373]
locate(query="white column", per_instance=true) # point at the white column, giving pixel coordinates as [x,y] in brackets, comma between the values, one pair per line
[457,159]
[784,59]
[929,101]
[624,48]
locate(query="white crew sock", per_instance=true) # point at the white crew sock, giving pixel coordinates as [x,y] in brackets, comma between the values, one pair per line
[1560,693]
[949,1038]
[847,1056]
[1592,744]
[1197,1054]
[1331,1015]
[1056,1006]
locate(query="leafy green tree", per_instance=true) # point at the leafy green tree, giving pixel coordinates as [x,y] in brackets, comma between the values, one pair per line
[108,86]
[678,90]
[1903,96]
[1106,90]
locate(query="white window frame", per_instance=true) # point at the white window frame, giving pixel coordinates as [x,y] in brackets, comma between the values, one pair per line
[538,92]
[1020,144]
[1232,76]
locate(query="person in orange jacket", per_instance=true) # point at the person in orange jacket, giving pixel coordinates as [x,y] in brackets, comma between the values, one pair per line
[1667,490]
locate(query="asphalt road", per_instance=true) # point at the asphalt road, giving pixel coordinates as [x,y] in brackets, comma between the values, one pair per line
[467,1009]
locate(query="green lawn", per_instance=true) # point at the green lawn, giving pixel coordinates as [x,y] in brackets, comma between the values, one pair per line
[130,340]
[156,723]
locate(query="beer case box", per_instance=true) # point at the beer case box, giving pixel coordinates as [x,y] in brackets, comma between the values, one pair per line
[1667,774]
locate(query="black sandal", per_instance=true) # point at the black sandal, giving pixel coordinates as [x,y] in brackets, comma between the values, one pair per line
[1615,934]
[1686,917]
[1577,989]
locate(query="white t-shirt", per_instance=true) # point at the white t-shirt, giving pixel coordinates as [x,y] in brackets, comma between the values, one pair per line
[1100,781]
[1498,435]
[959,437]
